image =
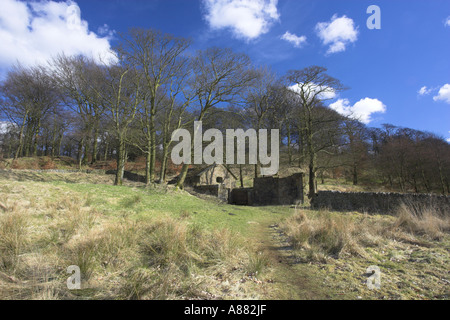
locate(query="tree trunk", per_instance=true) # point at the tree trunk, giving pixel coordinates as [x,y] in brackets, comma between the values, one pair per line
[162,175]
[416,188]
[148,160]
[312,182]
[425,183]
[106,151]
[185,168]
[312,157]
[52,154]
[46,145]
[95,146]
[241,176]
[441,177]
[80,153]
[289,145]
[152,152]
[183,175]
[21,140]
[86,151]
[121,159]
[36,137]
[355,174]
[60,144]
[9,148]
[27,143]
[391,183]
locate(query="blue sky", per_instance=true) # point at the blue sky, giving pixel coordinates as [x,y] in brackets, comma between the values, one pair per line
[399,74]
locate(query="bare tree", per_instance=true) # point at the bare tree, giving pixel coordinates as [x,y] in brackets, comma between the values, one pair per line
[260,99]
[29,94]
[76,77]
[121,95]
[158,57]
[219,77]
[357,147]
[312,86]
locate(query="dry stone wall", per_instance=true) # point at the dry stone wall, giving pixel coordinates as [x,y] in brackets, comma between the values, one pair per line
[379,203]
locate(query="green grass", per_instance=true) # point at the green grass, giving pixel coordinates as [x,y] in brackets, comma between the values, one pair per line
[130,242]
[136,242]
[140,203]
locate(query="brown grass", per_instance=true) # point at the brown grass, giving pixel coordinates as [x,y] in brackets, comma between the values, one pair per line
[422,220]
[328,234]
[13,240]
[47,163]
[119,258]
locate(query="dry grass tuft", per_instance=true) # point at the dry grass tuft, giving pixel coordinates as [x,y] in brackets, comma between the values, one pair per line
[325,234]
[13,238]
[179,260]
[422,220]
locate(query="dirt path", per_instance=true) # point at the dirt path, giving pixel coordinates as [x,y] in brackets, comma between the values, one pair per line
[292,279]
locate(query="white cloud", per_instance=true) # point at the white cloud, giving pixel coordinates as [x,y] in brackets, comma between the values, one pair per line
[3,127]
[297,41]
[447,22]
[326,93]
[448,140]
[337,33]
[362,110]
[247,19]
[444,94]
[424,91]
[105,31]
[33,32]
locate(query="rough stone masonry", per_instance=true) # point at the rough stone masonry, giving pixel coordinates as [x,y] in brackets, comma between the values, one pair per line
[379,203]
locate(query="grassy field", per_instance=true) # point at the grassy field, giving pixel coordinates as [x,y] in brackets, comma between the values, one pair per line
[137,242]
[412,253]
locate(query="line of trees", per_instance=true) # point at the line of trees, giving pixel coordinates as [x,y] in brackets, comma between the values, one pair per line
[90,111]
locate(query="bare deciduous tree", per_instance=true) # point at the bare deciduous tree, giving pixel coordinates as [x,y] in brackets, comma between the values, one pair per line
[219,76]
[158,57]
[312,86]
[29,94]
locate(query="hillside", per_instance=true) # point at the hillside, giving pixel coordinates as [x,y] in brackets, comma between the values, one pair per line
[132,242]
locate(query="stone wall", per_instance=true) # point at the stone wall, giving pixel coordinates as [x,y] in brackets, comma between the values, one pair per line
[241,197]
[290,189]
[278,191]
[88,171]
[133,177]
[211,175]
[216,174]
[270,191]
[216,190]
[130,176]
[265,191]
[379,203]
